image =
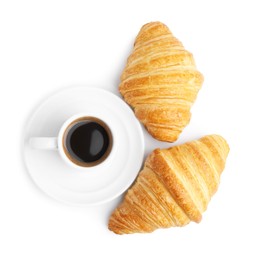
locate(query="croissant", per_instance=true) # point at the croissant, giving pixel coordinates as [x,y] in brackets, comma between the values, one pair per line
[174,187]
[160,82]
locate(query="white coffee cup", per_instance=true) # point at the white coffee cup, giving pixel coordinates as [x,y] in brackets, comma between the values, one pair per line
[103,137]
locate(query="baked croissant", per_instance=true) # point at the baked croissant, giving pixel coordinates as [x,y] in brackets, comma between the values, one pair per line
[174,187]
[160,82]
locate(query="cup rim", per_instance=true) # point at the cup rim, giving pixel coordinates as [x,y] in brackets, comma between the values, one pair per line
[63,154]
[113,179]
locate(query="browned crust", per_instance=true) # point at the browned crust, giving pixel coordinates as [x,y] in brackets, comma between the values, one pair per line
[174,187]
[160,72]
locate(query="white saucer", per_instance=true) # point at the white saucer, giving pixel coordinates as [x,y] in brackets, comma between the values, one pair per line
[75,186]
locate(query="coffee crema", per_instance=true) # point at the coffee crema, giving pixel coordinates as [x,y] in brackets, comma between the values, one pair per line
[87,141]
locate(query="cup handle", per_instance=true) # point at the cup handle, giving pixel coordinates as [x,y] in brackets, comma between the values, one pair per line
[43,143]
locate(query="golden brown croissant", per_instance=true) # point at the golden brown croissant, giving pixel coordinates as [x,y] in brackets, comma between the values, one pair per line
[160,82]
[174,187]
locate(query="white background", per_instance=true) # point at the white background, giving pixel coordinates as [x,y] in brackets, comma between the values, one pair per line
[49,45]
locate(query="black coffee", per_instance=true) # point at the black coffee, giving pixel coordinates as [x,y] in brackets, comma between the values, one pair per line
[88,141]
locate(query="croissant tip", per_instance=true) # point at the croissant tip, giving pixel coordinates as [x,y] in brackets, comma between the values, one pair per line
[114,231]
[111,227]
[153,22]
[219,138]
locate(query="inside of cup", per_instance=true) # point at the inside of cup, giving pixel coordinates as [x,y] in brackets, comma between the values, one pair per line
[87,141]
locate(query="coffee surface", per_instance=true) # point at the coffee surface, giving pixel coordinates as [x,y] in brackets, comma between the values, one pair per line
[87,141]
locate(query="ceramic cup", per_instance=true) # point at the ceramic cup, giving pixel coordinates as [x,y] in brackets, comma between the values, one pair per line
[61,143]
